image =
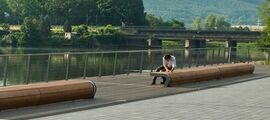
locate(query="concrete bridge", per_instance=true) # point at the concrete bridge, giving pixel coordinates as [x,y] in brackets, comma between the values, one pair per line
[153,36]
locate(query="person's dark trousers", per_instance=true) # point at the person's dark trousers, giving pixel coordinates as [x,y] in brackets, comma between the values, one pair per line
[160,68]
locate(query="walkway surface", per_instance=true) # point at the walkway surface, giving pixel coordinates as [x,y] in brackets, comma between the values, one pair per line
[245,101]
[124,89]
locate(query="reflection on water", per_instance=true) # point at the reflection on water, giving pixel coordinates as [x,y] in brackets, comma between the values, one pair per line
[21,69]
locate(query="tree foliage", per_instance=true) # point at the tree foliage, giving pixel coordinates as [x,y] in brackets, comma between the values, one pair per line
[75,11]
[197,23]
[3,10]
[152,20]
[215,22]
[101,12]
[265,15]
[176,23]
[27,8]
[210,22]
[114,12]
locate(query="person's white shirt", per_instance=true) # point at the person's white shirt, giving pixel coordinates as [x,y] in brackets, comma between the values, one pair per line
[171,63]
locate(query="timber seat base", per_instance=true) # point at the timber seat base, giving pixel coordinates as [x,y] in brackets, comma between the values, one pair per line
[44,93]
[181,76]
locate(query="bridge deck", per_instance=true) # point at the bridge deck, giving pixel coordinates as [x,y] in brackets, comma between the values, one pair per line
[170,33]
[122,89]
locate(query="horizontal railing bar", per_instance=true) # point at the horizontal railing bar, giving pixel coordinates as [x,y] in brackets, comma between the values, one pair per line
[109,52]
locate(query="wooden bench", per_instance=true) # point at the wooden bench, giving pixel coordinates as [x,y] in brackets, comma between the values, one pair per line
[181,76]
[45,93]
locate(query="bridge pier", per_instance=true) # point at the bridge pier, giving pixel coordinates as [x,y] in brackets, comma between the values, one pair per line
[231,43]
[154,43]
[232,51]
[193,55]
[195,43]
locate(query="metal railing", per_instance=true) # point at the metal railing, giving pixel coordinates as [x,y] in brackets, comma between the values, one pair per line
[31,68]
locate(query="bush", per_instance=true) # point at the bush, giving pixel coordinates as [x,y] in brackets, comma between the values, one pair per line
[109,29]
[3,32]
[5,27]
[81,29]
[56,41]
[15,38]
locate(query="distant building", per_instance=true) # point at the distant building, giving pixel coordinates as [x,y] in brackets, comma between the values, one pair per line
[251,27]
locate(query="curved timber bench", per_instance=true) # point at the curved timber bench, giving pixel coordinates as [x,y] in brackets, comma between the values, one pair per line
[45,93]
[233,70]
[181,76]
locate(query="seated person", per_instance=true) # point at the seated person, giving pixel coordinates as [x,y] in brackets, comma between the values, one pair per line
[169,64]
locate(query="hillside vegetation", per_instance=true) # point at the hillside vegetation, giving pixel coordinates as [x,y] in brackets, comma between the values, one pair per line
[235,11]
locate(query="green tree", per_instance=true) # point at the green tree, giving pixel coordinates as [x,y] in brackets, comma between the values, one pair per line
[36,26]
[215,22]
[265,15]
[31,32]
[27,8]
[44,26]
[221,24]
[114,12]
[197,23]
[176,24]
[152,20]
[210,22]
[3,10]
[76,11]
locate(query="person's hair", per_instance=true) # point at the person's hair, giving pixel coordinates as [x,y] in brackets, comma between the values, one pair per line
[167,57]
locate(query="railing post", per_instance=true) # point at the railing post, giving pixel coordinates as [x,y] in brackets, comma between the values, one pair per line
[28,68]
[201,55]
[128,66]
[213,57]
[190,57]
[48,68]
[268,58]
[229,54]
[141,63]
[248,55]
[182,64]
[173,52]
[67,66]
[114,63]
[224,56]
[85,66]
[151,61]
[100,65]
[219,55]
[5,71]
[205,52]
[197,56]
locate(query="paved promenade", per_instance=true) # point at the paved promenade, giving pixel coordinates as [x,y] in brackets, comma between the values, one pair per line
[244,101]
[124,89]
